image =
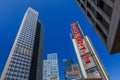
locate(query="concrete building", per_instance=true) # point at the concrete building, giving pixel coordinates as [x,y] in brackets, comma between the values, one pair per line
[89,62]
[25,59]
[51,68]
[75,67]
[104,15]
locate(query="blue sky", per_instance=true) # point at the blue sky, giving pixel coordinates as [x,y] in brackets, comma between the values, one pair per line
[56,17]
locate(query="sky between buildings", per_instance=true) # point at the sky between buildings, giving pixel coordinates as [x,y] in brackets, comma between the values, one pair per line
[56,17]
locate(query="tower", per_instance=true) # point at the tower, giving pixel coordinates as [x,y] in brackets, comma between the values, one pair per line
[105,19]
[89,62]
[25,59]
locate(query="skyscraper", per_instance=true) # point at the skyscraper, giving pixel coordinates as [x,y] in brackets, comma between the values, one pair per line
[88,59]
[104,15]
[25,59]
[50,67]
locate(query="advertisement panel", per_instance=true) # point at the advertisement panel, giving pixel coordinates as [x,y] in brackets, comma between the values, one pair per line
[79,40]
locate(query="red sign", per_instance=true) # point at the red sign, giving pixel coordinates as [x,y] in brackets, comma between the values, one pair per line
[87,60]
[80,43]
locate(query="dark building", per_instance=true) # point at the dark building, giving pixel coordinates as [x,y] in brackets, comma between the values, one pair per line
[104,15]
[67,64]
[25,59]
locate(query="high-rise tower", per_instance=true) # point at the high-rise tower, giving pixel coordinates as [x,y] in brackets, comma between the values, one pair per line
[89,62]
[104,15]
[25,59]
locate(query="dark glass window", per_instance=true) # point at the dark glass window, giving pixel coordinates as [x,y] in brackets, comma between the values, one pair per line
[106,8]
[92,70]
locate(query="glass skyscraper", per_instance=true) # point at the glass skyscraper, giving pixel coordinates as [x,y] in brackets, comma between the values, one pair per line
[50,67]
[25,59]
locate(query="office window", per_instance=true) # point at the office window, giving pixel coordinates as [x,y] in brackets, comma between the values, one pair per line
[91,18]
[101,33]
[106,8]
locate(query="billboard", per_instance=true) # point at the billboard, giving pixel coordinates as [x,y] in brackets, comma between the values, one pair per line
[79,39]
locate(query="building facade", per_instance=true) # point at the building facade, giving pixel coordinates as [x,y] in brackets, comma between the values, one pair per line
[74,74]
[25,59]
[67,64]
[71,70]
[45,70]
[105,19]
[89,62]
[50,67]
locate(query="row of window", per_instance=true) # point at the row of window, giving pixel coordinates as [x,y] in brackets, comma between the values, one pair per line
[26,38]
[30,20]
[27,45]
[23,50]
[28,32]
[21,56]
[20,63]
[16,77]
[19,59]
[19,66]
[26,35]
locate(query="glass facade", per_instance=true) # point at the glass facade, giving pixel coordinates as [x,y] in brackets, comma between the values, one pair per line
[67,64]
[45,70]
[19,64]
[19,67]
[50,67]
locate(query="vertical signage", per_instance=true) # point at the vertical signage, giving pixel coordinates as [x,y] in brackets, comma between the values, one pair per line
[80,43]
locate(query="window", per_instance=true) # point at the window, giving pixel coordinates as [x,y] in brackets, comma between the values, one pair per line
[92,70]
[102,34]
[106,8]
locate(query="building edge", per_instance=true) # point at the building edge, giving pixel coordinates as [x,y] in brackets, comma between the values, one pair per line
[96,57]
[12,50]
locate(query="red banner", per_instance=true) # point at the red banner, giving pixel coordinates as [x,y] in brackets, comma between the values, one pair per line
[80,43]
